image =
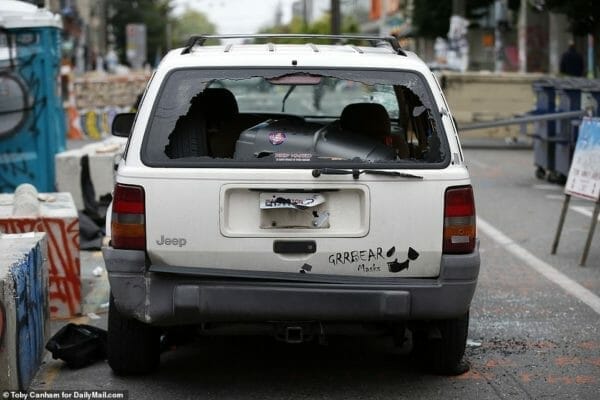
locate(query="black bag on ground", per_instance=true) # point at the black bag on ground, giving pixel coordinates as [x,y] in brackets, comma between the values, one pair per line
[78,345]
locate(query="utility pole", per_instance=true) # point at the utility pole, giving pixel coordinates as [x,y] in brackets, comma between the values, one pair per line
[522,35]
[304,16]
[168,36]
[500,26]
[336,17]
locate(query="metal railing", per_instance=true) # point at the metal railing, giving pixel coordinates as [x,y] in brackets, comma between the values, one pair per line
[523,120]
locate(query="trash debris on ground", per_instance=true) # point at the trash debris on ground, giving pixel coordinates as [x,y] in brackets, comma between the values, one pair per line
[90,234]
[98,271]
[78,345]
[473,343]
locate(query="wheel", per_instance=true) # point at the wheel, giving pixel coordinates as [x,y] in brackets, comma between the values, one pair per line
[133,347]
[540,173]
[443,352]
[557,177]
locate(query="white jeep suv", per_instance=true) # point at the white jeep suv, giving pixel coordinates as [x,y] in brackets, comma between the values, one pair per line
[302,190]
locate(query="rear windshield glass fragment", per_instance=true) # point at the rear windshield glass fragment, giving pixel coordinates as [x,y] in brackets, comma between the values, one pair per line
[294,118]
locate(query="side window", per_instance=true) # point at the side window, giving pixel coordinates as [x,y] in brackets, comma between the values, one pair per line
[415,120]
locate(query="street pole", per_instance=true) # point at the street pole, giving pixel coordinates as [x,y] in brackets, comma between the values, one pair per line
[336,20]
[168,34]
[522,29]
[590,56]
[304,16]
[499,17]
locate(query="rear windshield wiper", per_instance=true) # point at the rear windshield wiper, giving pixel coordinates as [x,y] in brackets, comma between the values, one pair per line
[357,172]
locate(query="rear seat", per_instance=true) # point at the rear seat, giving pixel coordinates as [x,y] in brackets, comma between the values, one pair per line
[372,120]
[210,127]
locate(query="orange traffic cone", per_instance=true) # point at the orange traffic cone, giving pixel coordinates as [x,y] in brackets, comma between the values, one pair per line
[74,131]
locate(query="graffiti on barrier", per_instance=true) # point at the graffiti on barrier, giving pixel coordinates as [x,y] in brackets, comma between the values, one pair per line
[96,123]
[14,165]
[63,256]
[2,325]
[30,295]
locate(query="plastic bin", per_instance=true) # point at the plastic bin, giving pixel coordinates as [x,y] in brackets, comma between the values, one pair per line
[543,144]
[568,93]
[592,93]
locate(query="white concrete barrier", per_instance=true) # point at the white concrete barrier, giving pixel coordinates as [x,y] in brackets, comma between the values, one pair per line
[24,317]
[55,214]
[102,158]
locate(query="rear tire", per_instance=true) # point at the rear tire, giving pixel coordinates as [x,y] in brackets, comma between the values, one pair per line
[443,354]
[133,346]
[540,173]
[448,351]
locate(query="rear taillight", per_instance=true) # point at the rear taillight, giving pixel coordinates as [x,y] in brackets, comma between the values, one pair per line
[459,220]
[128,228]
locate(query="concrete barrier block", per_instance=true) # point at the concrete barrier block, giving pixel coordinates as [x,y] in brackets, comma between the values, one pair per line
[101,157]
[24,317]
[57,217]
[477,97]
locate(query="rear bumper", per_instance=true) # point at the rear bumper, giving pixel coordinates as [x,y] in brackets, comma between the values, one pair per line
[179,298]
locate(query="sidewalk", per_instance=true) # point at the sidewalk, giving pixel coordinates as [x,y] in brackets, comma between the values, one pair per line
[497,143]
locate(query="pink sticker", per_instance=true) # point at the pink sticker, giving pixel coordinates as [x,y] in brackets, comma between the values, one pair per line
[277,137]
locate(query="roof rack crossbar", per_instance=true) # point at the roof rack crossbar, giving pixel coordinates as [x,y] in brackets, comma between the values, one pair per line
[357,49]
[199,40]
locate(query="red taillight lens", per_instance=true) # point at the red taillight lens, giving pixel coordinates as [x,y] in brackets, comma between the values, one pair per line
[459,220]
[128,223]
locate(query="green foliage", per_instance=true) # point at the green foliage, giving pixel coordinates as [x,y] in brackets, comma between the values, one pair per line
[152,13]
[190,23]
[584,15]
[431,18]
[322,26]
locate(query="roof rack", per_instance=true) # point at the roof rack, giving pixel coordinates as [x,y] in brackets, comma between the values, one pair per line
[374,40]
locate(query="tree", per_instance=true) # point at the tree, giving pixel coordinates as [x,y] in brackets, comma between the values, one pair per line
[153,13]
[190,23]
[583,15]
[431,18]
[321,26]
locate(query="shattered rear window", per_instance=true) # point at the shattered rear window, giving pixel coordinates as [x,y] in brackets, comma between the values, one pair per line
[295,118]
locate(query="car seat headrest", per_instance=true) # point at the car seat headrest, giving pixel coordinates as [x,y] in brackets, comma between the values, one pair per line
[215,103]
[371,119]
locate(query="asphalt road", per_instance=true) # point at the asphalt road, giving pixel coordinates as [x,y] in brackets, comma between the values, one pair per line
[534,331]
